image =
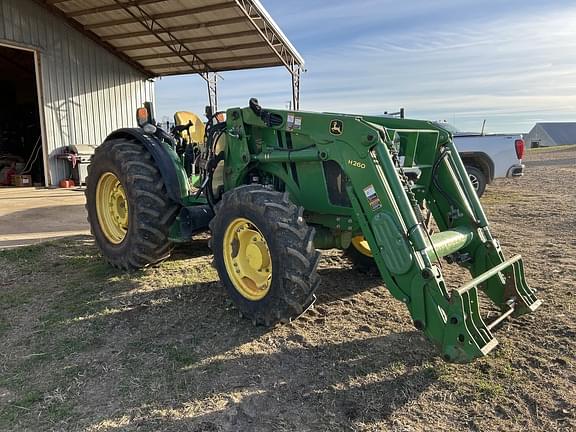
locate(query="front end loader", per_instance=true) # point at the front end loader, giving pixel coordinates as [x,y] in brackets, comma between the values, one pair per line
[274,187]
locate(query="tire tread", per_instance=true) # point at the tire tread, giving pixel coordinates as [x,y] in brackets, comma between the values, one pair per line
[297,278]
[147,240]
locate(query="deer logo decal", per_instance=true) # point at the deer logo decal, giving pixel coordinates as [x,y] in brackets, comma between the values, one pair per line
[336,127]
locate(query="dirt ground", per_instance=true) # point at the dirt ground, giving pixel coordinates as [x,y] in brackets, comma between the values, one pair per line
[86,347]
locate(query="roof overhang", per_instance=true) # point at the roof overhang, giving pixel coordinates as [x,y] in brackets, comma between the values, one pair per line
[174,37]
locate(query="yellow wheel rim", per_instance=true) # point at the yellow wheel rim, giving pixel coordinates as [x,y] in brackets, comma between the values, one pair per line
[361,245]
[112,208]
[247,259]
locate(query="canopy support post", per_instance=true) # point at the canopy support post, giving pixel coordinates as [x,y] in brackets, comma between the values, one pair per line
[212,84]
[295,71]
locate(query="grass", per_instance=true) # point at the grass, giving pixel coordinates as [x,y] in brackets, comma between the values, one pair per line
[4,326]
[74,301]
[20,407]
[488,388]
[59,411]
[27,254]
[30,398]
[56,283]
[11,299]
[551,149]
[56,410]
[66,302]
[73,345]
[181,355]
[492,197]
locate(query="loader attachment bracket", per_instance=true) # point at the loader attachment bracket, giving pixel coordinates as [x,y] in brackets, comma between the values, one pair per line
[467,335]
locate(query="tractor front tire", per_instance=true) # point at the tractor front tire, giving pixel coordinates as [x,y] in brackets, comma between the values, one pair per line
[360,255]
[264,254]
[127,204]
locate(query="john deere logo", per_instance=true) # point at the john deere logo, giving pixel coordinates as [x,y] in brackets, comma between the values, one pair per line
[336,127]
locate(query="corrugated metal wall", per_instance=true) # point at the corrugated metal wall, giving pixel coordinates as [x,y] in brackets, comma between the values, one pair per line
[87,92]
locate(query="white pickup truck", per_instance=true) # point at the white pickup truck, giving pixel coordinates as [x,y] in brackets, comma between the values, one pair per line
[488,156]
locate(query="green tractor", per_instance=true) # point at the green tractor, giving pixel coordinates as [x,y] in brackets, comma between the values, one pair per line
[274,187]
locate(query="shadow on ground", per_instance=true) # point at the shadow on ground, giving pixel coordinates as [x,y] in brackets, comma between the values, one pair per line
[166,348]
[300,388]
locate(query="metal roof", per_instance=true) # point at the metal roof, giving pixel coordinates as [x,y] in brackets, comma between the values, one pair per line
[561,132]
[171,37]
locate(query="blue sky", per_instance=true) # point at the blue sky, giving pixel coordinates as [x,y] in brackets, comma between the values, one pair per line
[512,62]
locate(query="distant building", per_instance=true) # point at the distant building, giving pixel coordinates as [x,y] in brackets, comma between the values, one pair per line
[551,134]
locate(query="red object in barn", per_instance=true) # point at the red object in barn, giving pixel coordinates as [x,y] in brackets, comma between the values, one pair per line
[67,183]
[6,180]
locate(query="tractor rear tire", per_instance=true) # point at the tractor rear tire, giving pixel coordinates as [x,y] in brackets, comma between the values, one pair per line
[264,254]
[127,205]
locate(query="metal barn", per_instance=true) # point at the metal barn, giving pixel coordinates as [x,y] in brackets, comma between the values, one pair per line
[71,90]
[551,134]
[71,71]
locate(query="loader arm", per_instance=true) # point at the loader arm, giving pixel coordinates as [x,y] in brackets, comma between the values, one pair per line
[390,169]
[386,207]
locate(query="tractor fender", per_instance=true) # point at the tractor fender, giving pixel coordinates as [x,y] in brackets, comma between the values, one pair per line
[166,159]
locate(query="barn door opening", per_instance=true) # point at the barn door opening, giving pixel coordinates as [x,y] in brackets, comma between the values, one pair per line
[21,147]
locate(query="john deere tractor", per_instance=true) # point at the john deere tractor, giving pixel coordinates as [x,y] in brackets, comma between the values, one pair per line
[274,187]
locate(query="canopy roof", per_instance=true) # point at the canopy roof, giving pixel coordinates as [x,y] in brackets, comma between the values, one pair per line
[171,37]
